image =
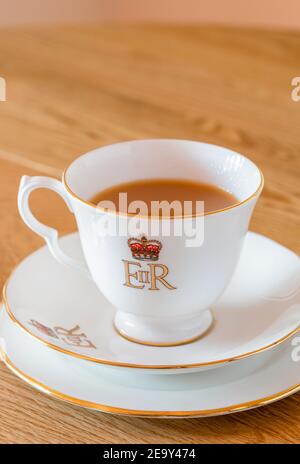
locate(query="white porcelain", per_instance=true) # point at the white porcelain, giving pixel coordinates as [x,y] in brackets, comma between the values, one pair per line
[260,308]
[174,306]
[252,382]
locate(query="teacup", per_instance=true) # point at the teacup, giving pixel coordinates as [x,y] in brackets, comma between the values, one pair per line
[162,286]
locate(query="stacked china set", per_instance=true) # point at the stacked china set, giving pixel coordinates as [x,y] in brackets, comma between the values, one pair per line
[147,324]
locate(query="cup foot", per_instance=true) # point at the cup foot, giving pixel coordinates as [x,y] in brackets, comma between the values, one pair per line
[168,332]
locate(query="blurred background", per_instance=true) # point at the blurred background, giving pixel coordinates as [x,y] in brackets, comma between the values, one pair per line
[279,13]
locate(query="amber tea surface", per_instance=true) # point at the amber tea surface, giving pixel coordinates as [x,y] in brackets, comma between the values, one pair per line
[170,190]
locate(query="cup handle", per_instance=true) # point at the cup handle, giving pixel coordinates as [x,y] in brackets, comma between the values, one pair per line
[50,235]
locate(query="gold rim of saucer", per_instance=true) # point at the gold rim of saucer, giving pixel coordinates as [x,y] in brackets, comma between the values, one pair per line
[144,413]
[140,366]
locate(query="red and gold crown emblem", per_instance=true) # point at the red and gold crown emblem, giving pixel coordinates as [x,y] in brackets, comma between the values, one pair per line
[144,249]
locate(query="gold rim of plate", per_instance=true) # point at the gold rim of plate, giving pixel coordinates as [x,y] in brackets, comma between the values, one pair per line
[140,366]
[145,413]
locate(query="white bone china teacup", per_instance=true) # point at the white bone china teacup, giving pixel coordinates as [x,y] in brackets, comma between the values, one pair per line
[163,288]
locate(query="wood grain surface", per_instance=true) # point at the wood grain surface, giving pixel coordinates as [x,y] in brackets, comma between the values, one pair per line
[71,89]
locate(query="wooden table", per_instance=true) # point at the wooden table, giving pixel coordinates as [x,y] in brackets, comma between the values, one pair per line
[71,89]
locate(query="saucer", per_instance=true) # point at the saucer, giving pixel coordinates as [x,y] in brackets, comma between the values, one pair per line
[252,382]
[66,312]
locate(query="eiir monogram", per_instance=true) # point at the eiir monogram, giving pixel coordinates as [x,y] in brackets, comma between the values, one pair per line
[152,276]
[73,336]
